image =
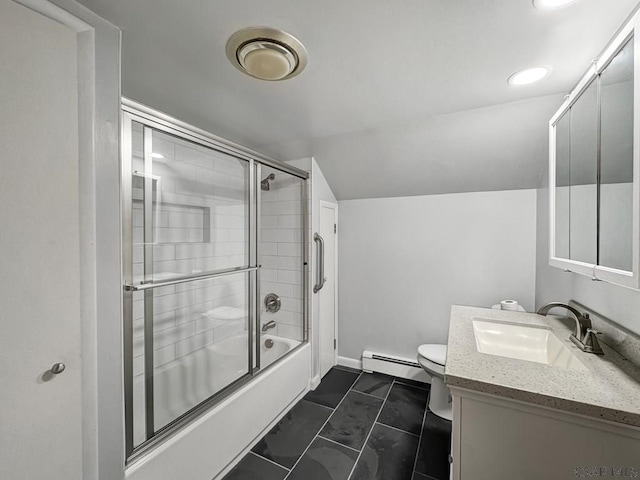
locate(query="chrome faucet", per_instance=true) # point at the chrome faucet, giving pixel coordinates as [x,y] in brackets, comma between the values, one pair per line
[584,337]
[268,325]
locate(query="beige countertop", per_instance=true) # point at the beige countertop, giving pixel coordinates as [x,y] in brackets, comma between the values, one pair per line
[608,389]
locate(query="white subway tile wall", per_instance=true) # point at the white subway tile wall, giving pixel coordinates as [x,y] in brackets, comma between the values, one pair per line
[282,252]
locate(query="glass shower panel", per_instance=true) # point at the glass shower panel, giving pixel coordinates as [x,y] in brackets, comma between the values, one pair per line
[200,345]
[199,207]
[190,217]
[281,250]
[207,235]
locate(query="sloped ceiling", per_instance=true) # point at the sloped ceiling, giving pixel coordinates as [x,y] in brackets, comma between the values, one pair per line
[399,98]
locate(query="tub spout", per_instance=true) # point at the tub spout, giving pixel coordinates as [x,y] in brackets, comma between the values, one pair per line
[269,325]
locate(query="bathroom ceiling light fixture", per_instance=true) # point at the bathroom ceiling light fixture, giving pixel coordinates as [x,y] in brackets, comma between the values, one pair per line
[529,75]
[551,4]
[157,155]
[266,53]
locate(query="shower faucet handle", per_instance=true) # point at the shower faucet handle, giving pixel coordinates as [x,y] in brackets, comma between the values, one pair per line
[272,302]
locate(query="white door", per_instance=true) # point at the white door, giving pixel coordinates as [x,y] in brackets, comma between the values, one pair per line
[327,296]
[40,413]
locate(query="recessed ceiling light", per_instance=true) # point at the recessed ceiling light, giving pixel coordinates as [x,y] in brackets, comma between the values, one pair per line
[551,4]
[266,53]
[529,75]
[157,155]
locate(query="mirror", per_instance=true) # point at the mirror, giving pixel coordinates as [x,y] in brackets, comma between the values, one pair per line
[576,170]
[563,161]
[616,161]
[594,182]
[583,176]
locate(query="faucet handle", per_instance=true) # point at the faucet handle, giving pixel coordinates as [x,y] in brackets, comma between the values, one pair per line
[591,331]
[590,341]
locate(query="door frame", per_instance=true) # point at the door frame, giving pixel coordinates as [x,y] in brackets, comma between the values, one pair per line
[334,207]
[98,54]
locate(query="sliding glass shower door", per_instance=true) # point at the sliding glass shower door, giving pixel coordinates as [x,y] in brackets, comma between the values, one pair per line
[205,241]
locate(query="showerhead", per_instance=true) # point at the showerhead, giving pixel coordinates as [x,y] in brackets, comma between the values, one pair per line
[264,184]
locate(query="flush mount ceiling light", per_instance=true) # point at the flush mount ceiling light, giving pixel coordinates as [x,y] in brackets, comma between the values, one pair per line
[266,53]
[529,75]
[551,4]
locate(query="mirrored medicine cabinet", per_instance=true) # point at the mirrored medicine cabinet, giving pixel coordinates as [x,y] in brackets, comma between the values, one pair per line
[594,168]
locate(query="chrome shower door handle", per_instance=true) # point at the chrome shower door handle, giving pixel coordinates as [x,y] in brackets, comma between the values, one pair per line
[320,255]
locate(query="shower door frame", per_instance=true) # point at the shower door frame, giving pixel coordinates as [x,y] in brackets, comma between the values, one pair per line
[153,120]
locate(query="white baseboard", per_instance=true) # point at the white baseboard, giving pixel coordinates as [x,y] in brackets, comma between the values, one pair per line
[314,382]
[350,362]
[394,365]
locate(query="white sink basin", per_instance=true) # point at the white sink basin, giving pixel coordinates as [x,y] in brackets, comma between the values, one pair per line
[523,342]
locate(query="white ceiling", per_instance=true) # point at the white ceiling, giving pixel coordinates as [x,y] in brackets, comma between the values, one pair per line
[399,98]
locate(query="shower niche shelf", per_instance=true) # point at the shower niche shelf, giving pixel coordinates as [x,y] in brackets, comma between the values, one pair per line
[197,217]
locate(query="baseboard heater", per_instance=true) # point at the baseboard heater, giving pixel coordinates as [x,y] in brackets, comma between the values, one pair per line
[393,365]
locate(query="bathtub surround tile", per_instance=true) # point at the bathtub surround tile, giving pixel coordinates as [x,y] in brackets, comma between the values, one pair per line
[435,447]
[290,437]
[332,388]
[351,422]
[388,455]
[376,384]
[253,467]
[404,408]
[324,460]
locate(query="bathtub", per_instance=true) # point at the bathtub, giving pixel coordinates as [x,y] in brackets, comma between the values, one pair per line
[187,381]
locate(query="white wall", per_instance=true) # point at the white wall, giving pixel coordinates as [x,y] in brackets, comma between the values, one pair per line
[404,262]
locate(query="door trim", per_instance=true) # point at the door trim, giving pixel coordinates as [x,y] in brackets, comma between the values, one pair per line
[98,56]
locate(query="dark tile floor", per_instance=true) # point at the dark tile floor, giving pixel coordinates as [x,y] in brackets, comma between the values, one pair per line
[354,426]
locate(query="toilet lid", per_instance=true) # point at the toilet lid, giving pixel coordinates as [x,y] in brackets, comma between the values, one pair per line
[434,353]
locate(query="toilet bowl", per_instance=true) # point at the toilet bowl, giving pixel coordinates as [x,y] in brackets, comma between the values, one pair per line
[431,358]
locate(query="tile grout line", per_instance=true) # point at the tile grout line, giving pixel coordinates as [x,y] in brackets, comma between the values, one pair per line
[337,443]
[424,419]
[319,404]
[412,385]
[399,429]
[368,394]
[323,425]
[268,460]
[371,430]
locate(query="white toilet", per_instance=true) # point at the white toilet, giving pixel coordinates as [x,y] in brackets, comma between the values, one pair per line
[431,358]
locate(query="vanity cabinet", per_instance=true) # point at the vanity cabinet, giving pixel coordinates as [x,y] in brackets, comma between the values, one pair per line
[495,438]
[594,181]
